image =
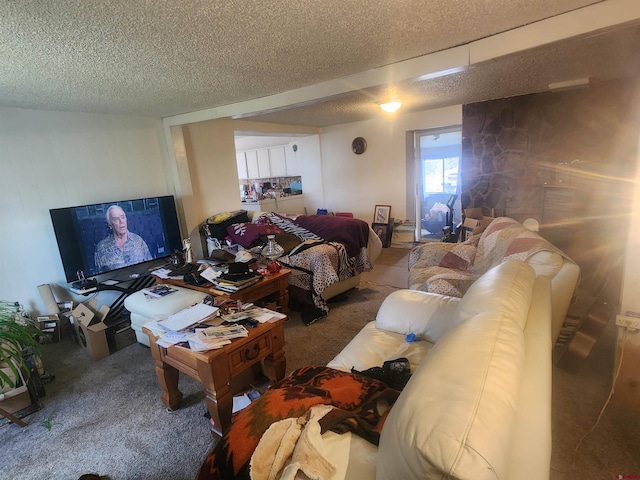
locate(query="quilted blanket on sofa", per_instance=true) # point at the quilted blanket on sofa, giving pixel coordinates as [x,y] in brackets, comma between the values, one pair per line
[450,269]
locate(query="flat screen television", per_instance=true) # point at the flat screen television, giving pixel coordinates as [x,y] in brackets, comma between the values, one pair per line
[91,244]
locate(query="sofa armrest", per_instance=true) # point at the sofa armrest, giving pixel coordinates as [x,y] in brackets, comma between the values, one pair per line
[425,314]
[374,246]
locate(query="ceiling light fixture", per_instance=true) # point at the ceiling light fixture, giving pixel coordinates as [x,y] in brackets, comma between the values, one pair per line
[391,107]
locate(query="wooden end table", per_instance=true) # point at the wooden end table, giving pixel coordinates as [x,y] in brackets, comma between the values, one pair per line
[216,369]
[276,285]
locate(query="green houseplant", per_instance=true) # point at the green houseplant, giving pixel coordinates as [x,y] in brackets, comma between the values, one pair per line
[16,334]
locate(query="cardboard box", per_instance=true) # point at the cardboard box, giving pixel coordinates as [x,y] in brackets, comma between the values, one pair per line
[475,221]
[120,335]
[50,325]
[14,399]
[473,213]
[90,329]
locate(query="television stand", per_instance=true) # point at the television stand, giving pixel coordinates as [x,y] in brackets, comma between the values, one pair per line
[116,308]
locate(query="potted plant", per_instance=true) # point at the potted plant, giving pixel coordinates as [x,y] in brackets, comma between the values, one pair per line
[16,334]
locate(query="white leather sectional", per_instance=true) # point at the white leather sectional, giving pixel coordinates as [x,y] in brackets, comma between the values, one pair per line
[478,404]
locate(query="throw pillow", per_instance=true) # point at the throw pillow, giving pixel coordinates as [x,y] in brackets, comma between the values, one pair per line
[248,234]
[459,257]
[222,221]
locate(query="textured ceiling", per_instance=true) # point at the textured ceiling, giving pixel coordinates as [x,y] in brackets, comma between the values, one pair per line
[163,58]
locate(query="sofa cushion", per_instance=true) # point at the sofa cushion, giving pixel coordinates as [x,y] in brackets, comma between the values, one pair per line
[546,263]
[455,417]
[505,238]
[371,347]
[428,315]
[505,288]
[247,234]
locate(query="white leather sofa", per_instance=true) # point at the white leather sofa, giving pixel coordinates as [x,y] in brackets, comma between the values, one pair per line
[449,268]
[478,404]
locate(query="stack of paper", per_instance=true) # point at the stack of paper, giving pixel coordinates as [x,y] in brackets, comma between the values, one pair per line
[188,317]
[212,333]
[262,315]
[215,337]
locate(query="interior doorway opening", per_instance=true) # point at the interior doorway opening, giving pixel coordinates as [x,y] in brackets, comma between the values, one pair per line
[437,167]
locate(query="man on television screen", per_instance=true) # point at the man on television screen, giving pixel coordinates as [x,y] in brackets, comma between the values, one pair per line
[122,247]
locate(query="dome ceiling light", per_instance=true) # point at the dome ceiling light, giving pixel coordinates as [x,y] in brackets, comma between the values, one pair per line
[391,107]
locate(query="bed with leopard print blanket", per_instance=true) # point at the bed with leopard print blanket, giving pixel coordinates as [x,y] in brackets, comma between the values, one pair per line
[333,249]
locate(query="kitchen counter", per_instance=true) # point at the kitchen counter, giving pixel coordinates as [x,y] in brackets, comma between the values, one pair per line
[290,204]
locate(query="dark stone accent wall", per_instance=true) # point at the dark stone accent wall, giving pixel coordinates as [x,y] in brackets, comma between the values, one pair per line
[518,152]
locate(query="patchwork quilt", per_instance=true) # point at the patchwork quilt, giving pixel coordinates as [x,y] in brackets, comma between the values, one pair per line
[450,269]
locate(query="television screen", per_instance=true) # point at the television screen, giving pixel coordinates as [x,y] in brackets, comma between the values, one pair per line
[104,237]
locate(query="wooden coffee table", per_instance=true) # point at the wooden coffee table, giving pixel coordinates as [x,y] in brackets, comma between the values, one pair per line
[272,285]
[217,369]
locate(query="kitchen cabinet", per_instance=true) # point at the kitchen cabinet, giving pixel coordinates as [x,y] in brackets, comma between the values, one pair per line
[252,164]
[291,204]
[277,162]
[241,161]
[264,169]
[268,205]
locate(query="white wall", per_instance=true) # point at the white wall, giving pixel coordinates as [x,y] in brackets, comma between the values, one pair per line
[212,174]
[310,166]
[356,183]
[59,159]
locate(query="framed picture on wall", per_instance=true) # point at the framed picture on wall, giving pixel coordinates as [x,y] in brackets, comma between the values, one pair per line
[382,214]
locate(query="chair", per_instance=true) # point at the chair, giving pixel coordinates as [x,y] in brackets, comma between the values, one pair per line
[344,214]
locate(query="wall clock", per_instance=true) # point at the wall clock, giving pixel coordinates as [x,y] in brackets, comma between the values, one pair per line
[359,145]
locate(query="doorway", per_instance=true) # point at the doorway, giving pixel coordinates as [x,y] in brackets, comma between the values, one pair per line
[437,167]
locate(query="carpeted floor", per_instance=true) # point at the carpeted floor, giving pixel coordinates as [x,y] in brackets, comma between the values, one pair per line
[106,417]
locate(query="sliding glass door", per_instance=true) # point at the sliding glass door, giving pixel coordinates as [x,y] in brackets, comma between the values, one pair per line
[437,167]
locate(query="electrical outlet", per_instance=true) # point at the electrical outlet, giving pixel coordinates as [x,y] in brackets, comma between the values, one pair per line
[629,322]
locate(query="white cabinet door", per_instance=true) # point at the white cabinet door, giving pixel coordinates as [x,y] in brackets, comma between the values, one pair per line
[242,166]
[293,169]
[252,164]
[278,162]
[263,163]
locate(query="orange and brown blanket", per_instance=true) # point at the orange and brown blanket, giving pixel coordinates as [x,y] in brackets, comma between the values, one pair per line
[354,398]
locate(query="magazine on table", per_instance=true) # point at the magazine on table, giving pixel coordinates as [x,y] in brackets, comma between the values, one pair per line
[159,291]
[214,333]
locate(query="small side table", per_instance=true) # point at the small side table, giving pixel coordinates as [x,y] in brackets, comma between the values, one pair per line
[216,369]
